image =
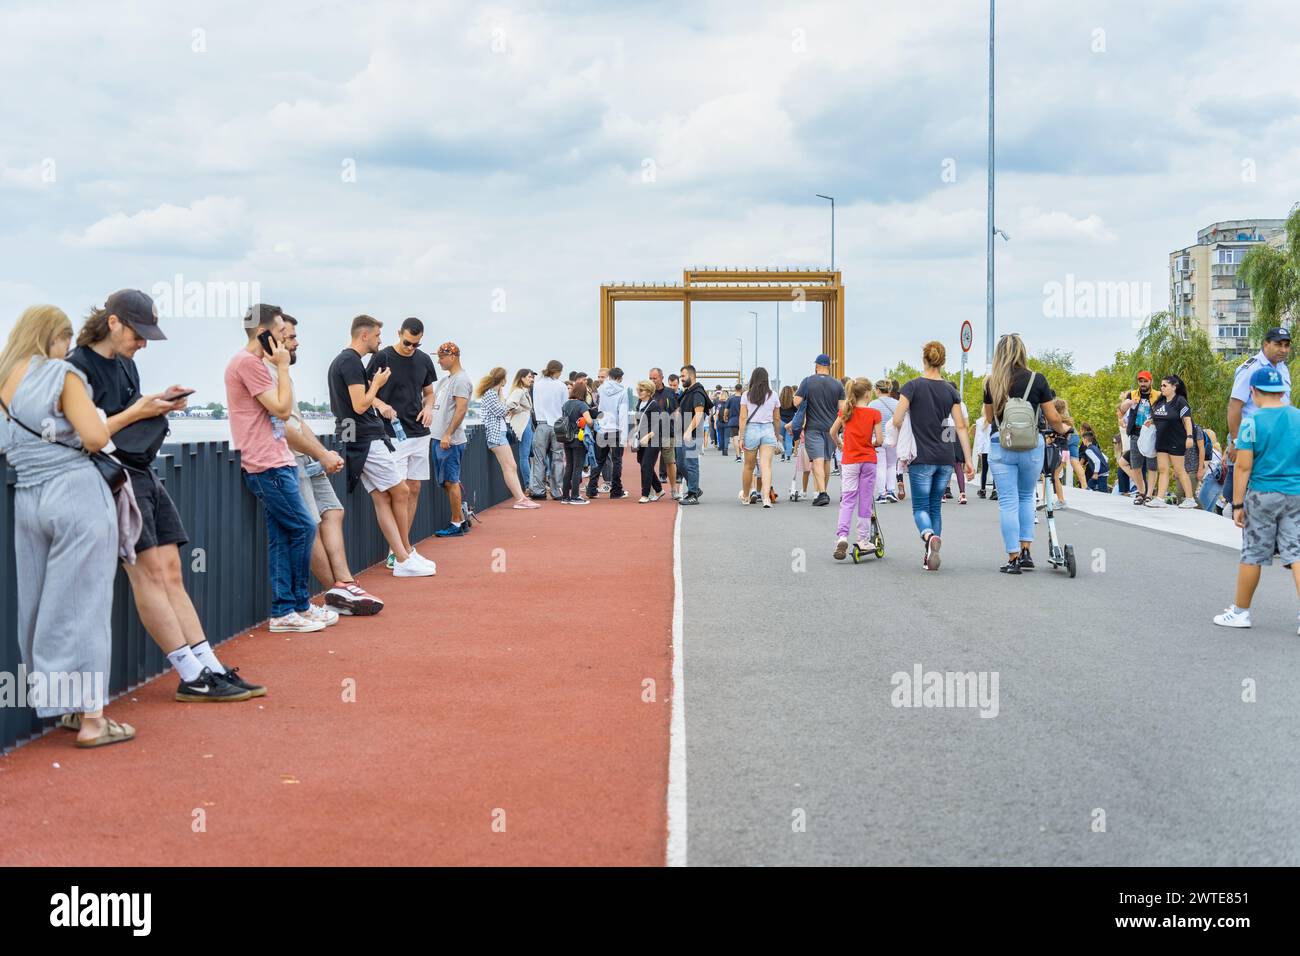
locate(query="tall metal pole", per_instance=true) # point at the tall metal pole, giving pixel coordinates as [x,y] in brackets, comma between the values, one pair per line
[742,357]
[832,200]
[988,305]
[755,315]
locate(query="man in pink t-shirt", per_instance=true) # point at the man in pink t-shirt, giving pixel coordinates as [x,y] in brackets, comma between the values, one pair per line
[258,408]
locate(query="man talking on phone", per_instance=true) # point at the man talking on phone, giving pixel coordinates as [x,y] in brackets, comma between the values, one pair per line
[106,346]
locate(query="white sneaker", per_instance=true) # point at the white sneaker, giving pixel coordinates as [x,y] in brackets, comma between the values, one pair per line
[1187,504]
[327,616]
[422,558]
[414,567]
[1156,503]
[1231,617]
[644,500]
[294,623]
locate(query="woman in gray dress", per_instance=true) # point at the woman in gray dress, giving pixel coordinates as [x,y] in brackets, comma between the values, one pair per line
[65,527]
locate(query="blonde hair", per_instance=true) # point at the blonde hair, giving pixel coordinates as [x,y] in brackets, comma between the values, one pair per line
[1063,409]
[35,333]
[491,380]
[1009,355]
[859,388]
[645,385]
[934,354]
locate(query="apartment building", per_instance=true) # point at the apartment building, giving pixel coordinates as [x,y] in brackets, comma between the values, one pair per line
[1203,283]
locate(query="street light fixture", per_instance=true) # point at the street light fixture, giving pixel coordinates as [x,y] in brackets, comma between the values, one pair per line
[832,200]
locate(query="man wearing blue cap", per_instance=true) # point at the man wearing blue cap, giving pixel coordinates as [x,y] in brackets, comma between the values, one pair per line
[1266,496]
[825,396]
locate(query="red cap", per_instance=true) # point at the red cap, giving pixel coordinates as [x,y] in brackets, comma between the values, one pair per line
[1144,374]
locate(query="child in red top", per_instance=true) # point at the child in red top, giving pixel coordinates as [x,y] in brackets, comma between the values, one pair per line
[862,432]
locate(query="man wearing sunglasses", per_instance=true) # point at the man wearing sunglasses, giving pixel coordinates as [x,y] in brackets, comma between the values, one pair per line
[409,392]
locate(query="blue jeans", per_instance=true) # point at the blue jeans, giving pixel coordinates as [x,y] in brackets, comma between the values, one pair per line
[789,442]
[525,452]
[688,463]
[1015,473]
[589,440]
[290,534]
[928,483]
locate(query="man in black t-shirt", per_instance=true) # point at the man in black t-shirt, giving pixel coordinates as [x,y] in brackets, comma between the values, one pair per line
[409,392]
[664,432]
[106,346]
[825,397]
[368,451]
[694,405]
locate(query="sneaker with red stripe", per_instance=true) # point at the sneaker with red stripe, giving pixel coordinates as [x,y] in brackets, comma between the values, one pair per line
[347,597]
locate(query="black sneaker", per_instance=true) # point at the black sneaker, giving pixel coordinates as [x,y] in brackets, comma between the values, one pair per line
[232,677]
[1025,561]
[616,495]
[1011,567]
[689,500]
[211,687]
[822,499]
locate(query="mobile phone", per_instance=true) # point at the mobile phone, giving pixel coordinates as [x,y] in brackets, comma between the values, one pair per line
[171,396]
[265,338]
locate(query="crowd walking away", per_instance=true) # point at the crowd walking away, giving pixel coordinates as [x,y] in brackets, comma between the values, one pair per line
[83,436]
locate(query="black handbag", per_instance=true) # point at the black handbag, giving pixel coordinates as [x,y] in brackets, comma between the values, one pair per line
[110,469]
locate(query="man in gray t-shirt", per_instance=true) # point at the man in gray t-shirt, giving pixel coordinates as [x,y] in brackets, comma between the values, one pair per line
[824,396]
[450,403]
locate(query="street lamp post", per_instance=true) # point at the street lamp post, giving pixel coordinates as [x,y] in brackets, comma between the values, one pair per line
[988,297]
[832,199]
[742,357]
[755,315]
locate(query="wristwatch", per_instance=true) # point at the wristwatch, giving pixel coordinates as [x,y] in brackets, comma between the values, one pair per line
[1238,506]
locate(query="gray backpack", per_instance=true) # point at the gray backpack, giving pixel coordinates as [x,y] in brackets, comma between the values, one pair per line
[1018,426]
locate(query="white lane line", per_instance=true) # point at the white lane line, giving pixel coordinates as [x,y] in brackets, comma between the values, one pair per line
[677,722]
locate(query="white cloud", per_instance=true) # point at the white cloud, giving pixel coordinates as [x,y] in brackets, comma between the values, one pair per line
[1058,226]
[213,225]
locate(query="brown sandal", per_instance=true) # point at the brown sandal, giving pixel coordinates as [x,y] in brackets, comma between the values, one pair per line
[70,721]
[113,733]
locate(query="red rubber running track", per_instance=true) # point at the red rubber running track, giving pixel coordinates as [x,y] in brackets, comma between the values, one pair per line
[482,697]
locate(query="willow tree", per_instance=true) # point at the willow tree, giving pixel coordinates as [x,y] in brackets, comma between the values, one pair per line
[1273,276]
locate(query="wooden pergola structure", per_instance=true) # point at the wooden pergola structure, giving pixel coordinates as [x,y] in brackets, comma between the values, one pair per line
[733,285]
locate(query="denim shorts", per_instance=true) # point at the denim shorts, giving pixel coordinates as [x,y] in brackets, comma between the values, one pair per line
[446,463]
[758,434]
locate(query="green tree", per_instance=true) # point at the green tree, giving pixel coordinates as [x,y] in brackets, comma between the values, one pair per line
[1170,345]
[1273,276]
[218,410]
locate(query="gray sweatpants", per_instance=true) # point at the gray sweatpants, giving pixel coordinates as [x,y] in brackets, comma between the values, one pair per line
[65,545]
[544,444]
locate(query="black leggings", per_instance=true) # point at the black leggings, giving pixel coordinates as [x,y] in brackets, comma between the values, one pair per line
[984,470]
[649,458]
[574,457]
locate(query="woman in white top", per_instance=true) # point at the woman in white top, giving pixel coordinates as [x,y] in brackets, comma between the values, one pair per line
[761,429]
[519,408]
[981,452]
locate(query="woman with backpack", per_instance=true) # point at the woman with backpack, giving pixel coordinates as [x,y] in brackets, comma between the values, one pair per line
[571,431]
[929,401]
[1013,396]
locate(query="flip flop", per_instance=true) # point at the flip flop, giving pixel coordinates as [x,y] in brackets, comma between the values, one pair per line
[113,733]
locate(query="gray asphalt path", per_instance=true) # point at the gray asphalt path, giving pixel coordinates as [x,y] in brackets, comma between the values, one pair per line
[1116,693]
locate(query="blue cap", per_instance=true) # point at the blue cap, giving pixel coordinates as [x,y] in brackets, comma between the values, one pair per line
[823,359]
[1267,380]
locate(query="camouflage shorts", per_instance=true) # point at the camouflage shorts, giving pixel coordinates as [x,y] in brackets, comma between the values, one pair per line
[1272,527]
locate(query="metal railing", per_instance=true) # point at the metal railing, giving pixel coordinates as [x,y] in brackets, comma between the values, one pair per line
[224,563]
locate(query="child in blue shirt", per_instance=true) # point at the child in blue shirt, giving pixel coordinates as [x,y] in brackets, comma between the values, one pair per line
[1266,491]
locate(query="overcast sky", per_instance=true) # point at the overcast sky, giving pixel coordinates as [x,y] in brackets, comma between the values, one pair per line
[487,167]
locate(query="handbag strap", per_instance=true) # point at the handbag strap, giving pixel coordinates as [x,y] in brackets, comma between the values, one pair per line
[23,425]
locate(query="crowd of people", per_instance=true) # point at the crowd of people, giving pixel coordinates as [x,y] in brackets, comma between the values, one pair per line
[400,421]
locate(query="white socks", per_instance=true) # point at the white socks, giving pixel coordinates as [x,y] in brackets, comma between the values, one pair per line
[186,664]
[203,651]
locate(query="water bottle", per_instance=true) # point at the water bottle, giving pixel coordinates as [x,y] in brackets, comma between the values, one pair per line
[398,430]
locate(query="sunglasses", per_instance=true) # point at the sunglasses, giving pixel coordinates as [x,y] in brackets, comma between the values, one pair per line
[410,345]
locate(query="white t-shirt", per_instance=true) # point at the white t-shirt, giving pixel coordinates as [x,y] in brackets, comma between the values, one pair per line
[761,414]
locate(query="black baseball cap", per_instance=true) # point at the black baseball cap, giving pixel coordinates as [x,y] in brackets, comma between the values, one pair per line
[1279,334]
[137,310]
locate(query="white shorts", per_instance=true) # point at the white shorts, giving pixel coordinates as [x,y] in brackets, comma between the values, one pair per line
[412,456]
[381,471]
